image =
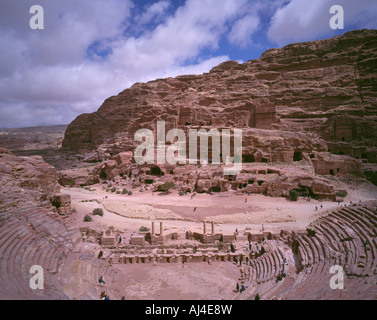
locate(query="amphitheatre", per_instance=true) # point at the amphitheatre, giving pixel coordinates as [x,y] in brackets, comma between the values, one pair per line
[73,200]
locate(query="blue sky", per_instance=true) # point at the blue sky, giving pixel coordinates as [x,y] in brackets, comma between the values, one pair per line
[92,49]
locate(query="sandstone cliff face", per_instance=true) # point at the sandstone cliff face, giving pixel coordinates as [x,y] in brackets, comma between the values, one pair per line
[29,181]
[326,88]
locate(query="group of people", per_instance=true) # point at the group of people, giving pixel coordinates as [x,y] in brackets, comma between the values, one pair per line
[240,290]
[258,245]
[103,295]
[345,205]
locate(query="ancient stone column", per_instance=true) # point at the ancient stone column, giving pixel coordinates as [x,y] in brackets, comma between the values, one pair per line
[204,227]
[213,227]
[161,228]
[153,228]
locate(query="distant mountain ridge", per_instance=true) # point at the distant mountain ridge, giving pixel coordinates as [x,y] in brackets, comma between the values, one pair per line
[32,138]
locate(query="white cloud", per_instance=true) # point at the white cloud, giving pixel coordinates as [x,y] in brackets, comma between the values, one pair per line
[92,49]
[302,20]
[243,29]
[156,12]
[47,75]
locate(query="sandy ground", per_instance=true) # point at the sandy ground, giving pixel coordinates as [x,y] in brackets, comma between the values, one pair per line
[228,211]
[191,281]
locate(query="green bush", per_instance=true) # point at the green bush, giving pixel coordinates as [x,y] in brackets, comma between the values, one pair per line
[293,195]
[124,191]
[113,189]
[70,183]
[342,193]
[166,187]
[98,212]
[143,229]
[371,176]
[130,193]
[295,245]
[311,233]
[87,218]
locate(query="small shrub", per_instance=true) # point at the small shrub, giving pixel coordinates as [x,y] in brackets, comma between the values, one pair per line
[311,233]
[181,193]
[257,297]
[124,191]
[113,189]
[100,254]
[342,193]
[293,195]
[371,176]
[166,187]
[118,192]
[70,183]
[87,218]
[143,229]
[295,245]
[232,249]
[130,193]
[98,212]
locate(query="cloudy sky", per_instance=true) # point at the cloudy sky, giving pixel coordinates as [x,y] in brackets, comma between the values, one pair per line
[92,49]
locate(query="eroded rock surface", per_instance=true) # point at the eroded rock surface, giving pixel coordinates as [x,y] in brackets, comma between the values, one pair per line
[325,87]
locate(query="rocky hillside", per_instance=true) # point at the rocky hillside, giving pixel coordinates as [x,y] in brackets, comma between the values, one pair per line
[32,231]
[326,90]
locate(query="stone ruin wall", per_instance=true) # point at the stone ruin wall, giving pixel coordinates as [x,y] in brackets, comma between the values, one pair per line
[152,247]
